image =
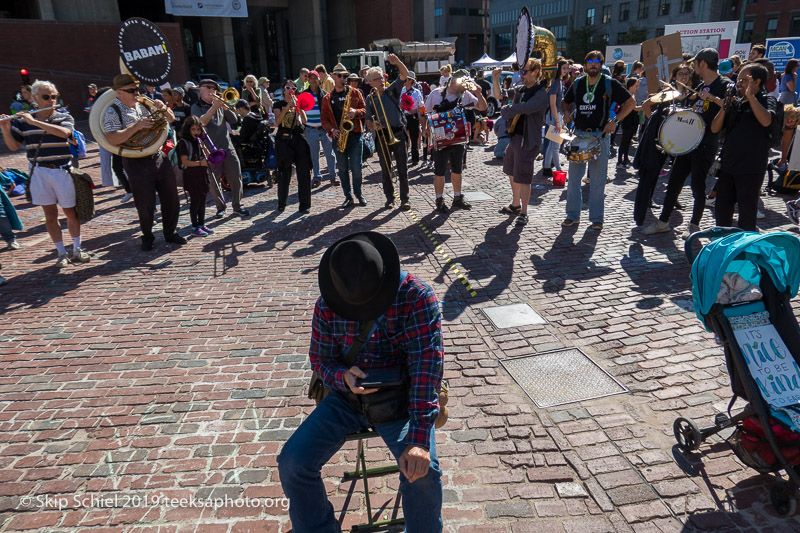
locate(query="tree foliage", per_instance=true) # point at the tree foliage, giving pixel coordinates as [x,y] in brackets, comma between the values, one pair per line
[581,41]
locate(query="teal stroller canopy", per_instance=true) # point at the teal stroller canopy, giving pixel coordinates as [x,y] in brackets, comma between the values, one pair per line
[745,253]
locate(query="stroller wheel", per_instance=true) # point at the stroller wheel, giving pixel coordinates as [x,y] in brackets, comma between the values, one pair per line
[782,495]
[687,434]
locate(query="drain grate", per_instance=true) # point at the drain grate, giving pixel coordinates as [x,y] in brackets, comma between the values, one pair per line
[513,316]
[561,377]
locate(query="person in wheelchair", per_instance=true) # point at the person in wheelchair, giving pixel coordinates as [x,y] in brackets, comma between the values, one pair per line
[387,380]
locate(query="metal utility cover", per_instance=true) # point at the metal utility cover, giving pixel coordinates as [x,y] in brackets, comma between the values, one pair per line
[561,377]
[513,316]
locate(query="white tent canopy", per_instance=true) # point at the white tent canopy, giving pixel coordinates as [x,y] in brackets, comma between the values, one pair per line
[509,60]
[484,61]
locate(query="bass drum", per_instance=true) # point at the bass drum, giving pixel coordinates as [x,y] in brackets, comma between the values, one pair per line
[681,131]
[449,128]
[96,126]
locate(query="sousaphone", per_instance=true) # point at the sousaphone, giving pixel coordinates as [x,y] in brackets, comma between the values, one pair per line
[536,42]
[146,55]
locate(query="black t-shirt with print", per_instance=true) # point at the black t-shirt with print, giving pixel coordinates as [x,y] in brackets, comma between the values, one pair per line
[592,106]
[709,110]
[337,103]
[747,142]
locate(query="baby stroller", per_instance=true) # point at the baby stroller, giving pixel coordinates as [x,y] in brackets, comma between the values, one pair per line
[255,157]
[742,284]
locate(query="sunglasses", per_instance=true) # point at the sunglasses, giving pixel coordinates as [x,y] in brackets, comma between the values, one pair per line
[209,87]
[339,75]
[288,88]
[593,61]
[46,97]
[130,91]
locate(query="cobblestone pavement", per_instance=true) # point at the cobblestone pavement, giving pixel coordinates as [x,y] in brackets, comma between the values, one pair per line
[179,373]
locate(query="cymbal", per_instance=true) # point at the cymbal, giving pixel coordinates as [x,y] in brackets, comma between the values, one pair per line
[665,96]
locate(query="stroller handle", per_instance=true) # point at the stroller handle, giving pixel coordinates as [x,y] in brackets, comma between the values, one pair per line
[710,234]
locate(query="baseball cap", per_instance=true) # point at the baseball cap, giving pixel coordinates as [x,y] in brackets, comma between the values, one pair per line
[725,66]
[209,81]
[313,74]
[92,86]
[709,55]
[242,104]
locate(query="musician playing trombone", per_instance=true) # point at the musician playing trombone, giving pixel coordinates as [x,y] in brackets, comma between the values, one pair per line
[383,104]
[214,113]
[146,175]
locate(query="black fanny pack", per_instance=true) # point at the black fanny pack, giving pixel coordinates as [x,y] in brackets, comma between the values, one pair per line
[390,402]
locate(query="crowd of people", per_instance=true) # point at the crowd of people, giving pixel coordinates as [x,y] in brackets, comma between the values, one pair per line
[324,126]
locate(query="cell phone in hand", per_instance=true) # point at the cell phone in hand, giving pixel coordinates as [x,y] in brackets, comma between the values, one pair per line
[380,377]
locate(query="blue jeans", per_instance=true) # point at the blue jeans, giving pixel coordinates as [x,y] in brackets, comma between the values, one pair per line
[598,170]
[551,152]
[318,438]
[315,138]
[349,162]
[500,147]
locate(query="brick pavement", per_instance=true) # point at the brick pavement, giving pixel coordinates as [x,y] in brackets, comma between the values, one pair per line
[181,372]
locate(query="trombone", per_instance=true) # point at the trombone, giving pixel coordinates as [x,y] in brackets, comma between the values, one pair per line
[229,97]
[384,142]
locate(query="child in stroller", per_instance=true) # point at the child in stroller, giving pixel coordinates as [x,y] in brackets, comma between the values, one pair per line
[742,286]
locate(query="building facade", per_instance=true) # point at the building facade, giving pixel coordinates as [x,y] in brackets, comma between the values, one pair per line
[555,15]
[614,18]
[466,20]
[765,19]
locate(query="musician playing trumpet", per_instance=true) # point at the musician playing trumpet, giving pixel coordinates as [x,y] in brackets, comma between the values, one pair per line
[344,107]
[123,119]
[214,113]
[383,104]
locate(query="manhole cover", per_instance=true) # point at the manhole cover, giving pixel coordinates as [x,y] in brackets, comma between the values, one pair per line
[560,377]
[477,196]
[513,316]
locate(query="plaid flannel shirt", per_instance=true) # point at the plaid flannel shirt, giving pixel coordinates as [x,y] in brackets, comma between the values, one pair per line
[410,332]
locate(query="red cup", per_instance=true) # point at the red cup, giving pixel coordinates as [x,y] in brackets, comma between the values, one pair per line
[559,178]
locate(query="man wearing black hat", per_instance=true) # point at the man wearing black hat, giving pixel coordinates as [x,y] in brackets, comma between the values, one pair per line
[697,162]
[146,175]
[214,115]
[364,293]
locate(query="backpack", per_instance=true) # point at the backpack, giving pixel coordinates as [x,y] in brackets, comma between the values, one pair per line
[78,150]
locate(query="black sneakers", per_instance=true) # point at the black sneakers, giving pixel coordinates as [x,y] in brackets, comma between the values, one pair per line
[441,206]
[459,202]
[176,239]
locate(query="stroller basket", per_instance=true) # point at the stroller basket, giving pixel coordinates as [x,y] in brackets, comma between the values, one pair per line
[742,286]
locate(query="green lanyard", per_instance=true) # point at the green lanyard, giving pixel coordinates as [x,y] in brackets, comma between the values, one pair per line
[590,92]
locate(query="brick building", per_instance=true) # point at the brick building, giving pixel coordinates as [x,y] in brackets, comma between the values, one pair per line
[764,19]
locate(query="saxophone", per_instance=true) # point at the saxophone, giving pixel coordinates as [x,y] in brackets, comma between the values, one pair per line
[345,124]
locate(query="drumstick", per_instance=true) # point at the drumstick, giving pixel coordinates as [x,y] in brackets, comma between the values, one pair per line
[688,88]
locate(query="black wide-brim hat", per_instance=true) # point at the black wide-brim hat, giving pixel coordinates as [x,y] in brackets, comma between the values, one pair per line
[359,276]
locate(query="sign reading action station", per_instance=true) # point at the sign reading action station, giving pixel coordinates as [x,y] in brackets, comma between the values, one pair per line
[145,51]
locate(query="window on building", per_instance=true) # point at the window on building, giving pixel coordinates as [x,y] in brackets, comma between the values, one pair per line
[794,28]
[604,37]
[687,6]
[437,12]
[621,37]
[624,11]
[748,30]
[475,13]
[772,28]
[644,9]
[659,32]
[606,14]
[457,11]
[502,44]
[590,16]
[663,8]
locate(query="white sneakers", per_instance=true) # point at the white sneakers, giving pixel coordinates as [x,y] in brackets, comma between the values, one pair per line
[656,227]
[78,255]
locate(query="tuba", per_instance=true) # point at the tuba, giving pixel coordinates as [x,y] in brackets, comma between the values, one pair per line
[143,143]
[536,42]
[345,124]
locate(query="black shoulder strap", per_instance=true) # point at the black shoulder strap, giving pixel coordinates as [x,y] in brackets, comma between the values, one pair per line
[366,332]
[116,108]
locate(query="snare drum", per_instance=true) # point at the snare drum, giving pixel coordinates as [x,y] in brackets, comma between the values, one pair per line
[681,131]
[449,128]
[584,148]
